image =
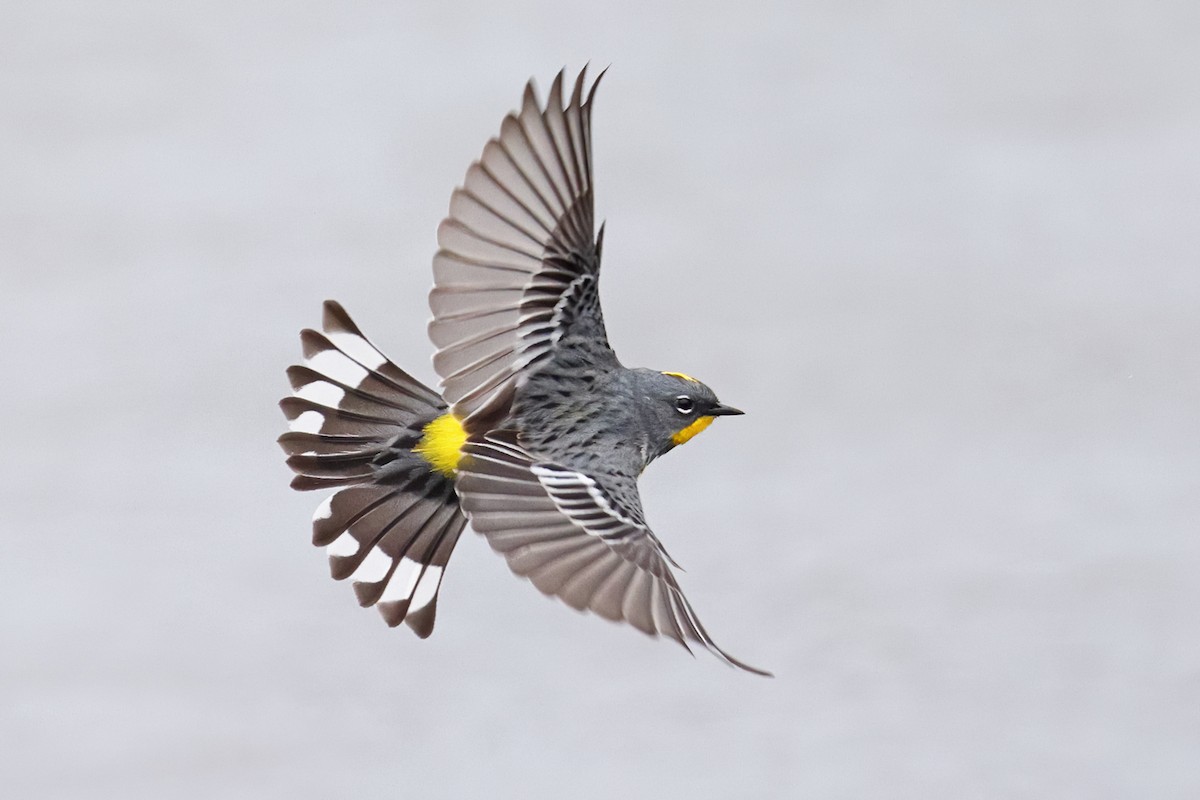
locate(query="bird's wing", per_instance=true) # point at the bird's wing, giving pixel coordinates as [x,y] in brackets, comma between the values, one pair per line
[566,532]
[517,266]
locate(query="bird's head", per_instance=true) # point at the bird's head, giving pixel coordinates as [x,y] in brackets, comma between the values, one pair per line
[677,407]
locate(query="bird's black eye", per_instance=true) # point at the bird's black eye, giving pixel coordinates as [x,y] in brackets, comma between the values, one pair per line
[685,404]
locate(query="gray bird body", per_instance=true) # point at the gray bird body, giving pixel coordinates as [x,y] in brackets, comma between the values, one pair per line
[603,419]
[540,432]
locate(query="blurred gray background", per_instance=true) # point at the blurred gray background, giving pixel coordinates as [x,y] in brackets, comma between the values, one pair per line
[947,256]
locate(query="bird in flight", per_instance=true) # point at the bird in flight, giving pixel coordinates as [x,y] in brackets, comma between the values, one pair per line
[539,433]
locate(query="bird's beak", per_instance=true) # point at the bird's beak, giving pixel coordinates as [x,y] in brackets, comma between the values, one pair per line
[721,410]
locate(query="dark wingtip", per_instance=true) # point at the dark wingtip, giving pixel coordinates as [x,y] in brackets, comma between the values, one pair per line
[530,96]
[555,97]
[577,90]
[733,662]
[596,83]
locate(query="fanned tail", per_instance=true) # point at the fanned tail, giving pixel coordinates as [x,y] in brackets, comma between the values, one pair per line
[354,419]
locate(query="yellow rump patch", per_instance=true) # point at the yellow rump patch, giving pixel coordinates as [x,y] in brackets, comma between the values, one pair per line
[691,430]
[681,376]
[442,442]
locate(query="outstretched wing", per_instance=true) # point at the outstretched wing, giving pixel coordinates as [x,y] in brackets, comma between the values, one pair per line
[565,532]
[517,267]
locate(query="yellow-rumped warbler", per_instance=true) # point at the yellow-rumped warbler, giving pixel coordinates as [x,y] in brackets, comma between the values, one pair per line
[540,433]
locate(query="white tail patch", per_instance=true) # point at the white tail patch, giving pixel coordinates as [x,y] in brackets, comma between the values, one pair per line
[358,348]
[403,581]
[325,510]
[426,589]
[373,568]
[323,393]
[342,546]
[308,422]
[337,366]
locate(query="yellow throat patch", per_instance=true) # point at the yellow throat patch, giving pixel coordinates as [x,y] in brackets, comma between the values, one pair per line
[687,433]
[442,442]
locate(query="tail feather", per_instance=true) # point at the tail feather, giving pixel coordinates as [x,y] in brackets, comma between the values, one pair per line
[359,360]
[394,521]
[340,328]
[372,394]
[345,508]
[296,443]
[309,416]
[337,467]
